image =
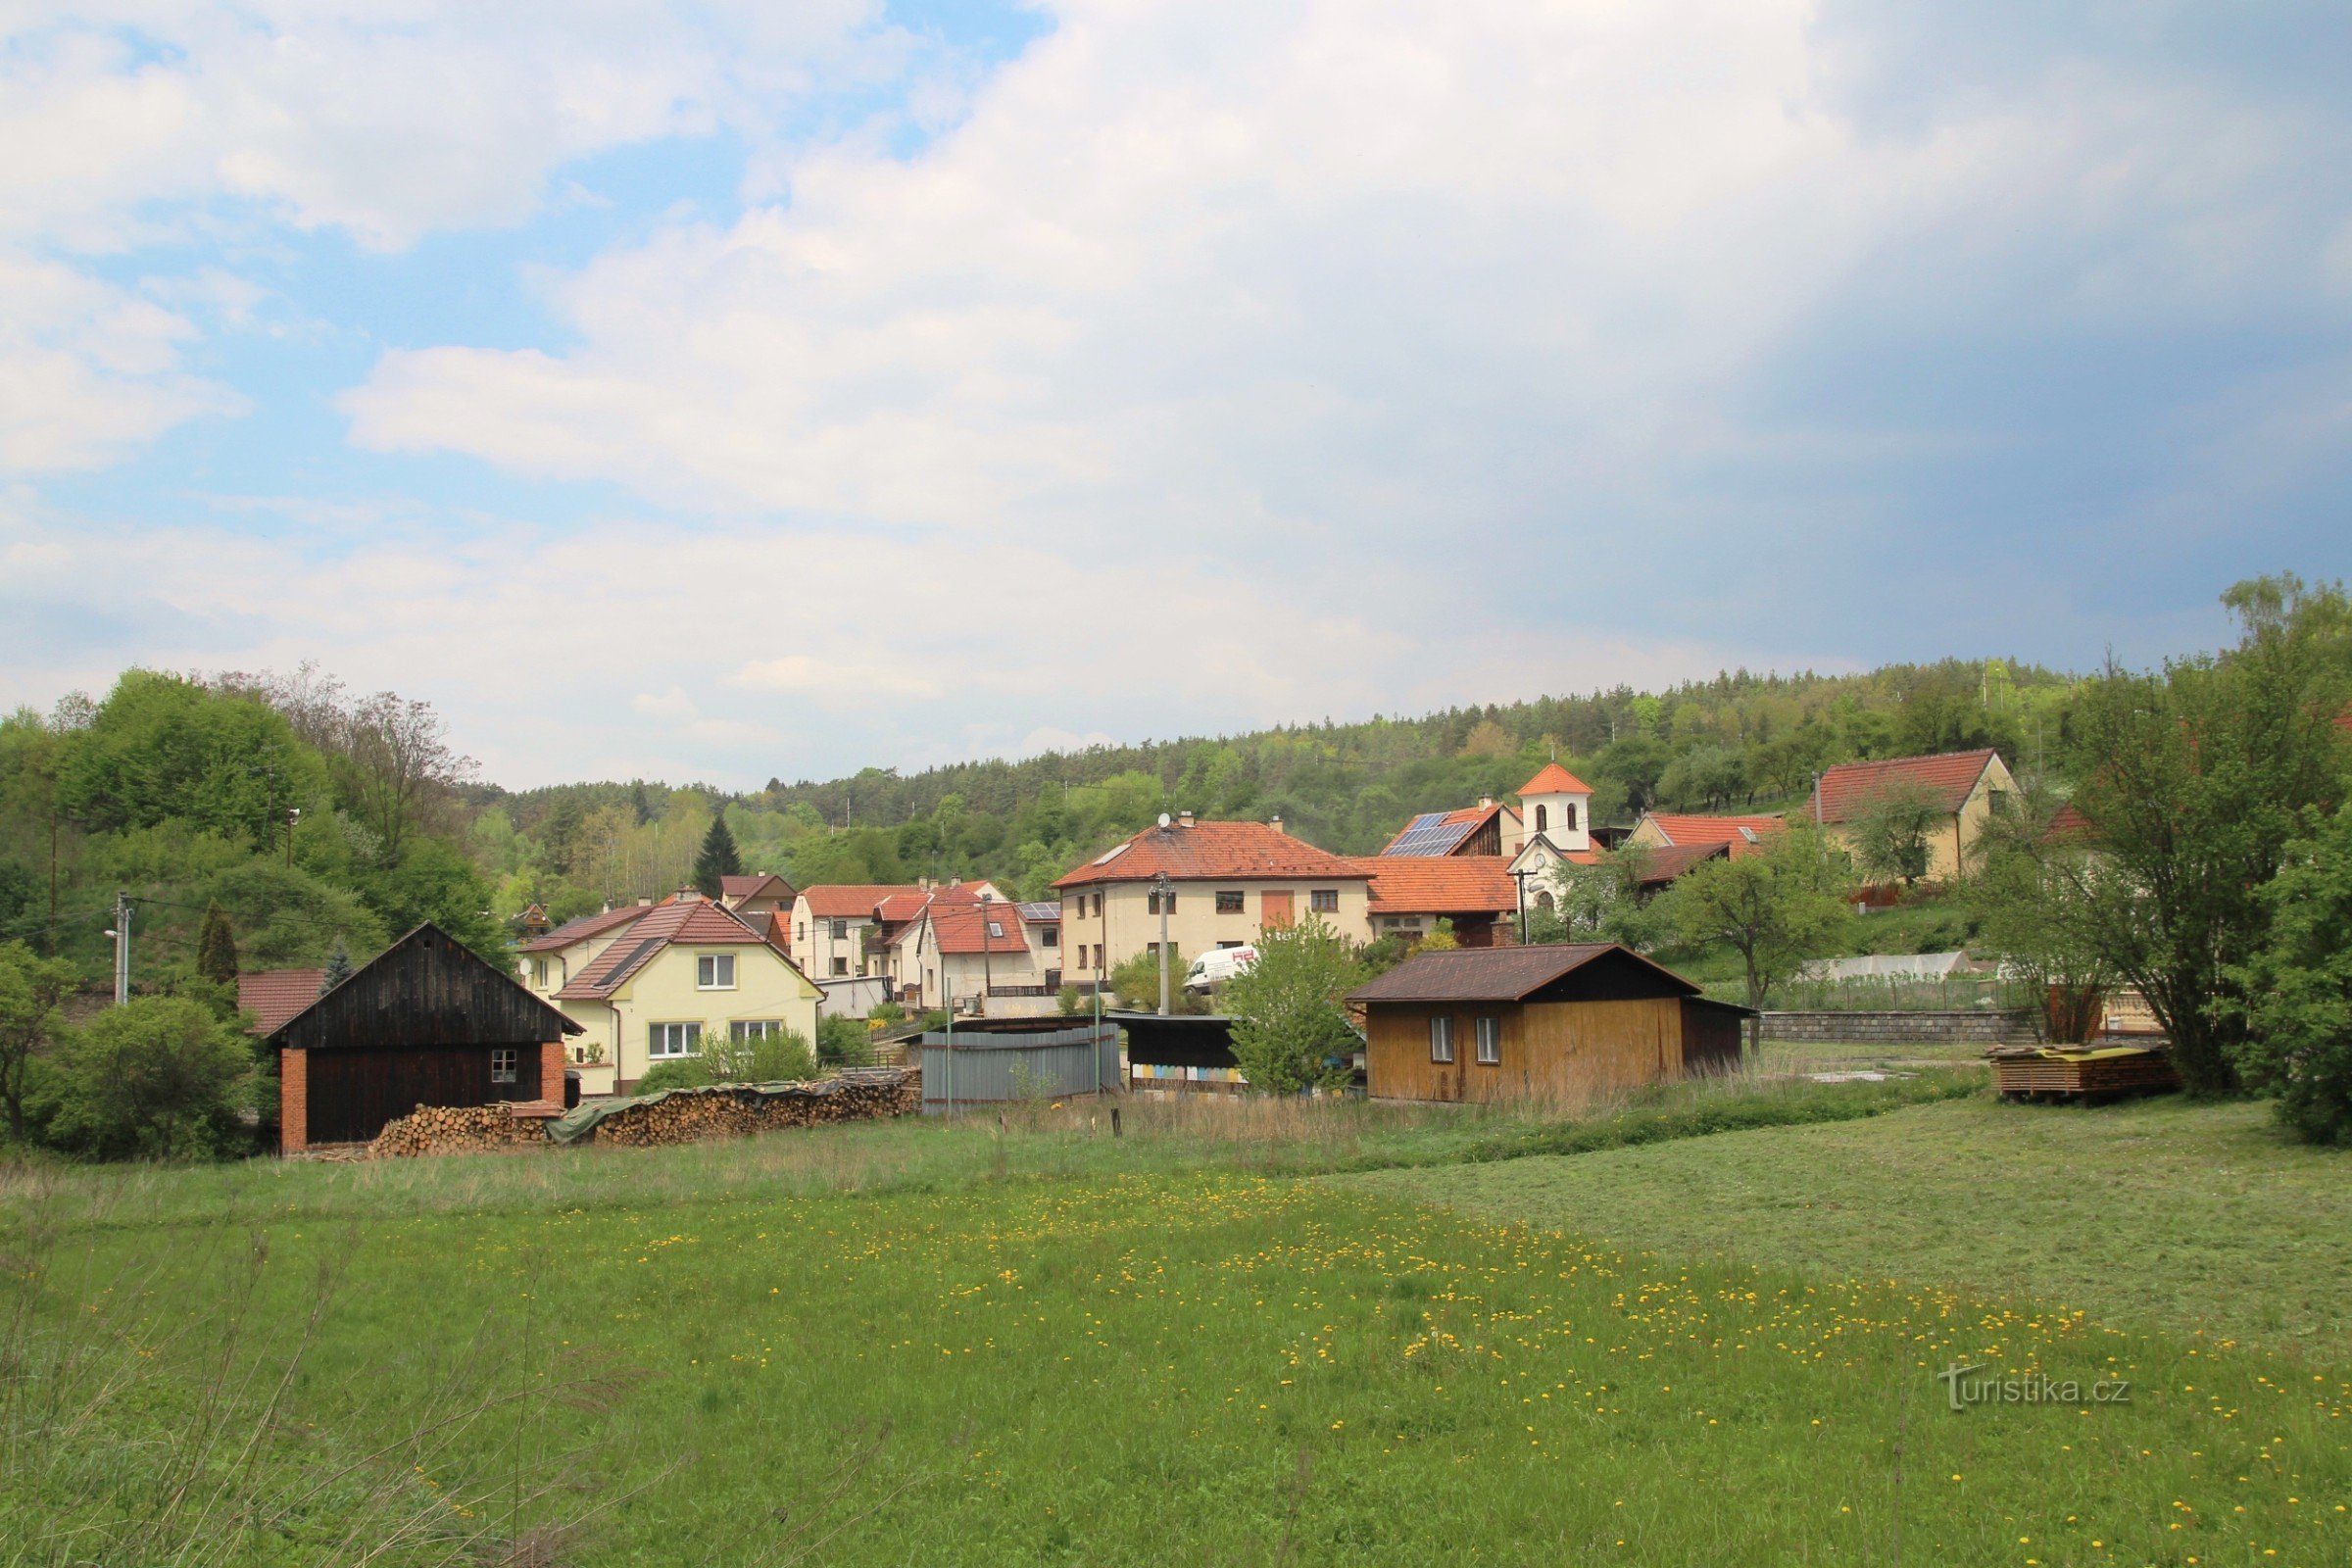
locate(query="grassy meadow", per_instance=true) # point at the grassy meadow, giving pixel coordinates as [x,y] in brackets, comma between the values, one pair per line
[1243,1334]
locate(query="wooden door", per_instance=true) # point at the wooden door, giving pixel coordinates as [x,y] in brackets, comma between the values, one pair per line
[1274,909]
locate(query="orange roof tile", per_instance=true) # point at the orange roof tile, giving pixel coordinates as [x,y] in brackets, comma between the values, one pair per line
[695,920]
[1555,779]
[1211,852]
[1450,884]
[586,926]
[957,927]
[1844,790]
[273,996]
[834,900]
[1685,829]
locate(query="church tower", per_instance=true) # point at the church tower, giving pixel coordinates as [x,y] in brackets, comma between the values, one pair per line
[1558,805]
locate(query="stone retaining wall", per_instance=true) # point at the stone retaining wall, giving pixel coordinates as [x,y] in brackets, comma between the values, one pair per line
[2021,1027]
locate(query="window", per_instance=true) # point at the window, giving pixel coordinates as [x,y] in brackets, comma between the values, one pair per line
[841,930]
[1489,1041]
[667,1040]
[1049,936]
[502,1067]
[1152,950]
[1098,954]
[1575,817]
[1229,902]
[1324,900]
[1441,1040]
[539,973]
[1153,900]
[714,971]
[1542,818]
[996,930]
[841,965]
[1231,944]
[804,936]
[1098,905]
[742,1029]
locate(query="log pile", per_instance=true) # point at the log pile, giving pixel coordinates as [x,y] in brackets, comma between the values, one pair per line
[456,1130]
[690,1115]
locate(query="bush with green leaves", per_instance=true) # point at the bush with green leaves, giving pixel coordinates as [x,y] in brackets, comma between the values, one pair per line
[784,1057]
[31,991]
[689,1072]
[1288,1030]
[844,1043]
[157,1078]
[1891,833]
[2298,1044]
[1774,908]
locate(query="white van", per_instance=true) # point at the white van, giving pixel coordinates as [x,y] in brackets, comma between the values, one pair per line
[1218,966]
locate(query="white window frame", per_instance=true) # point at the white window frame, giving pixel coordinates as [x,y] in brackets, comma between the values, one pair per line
[672,1042]
[1441,1040]
[740,1030]
[539,973]
[709,966]
[506,1066]
[1489,1041]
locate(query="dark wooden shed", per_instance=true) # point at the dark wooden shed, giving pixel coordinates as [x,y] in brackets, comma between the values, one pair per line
[425,1022]
[1553,1022]
[1179,1053]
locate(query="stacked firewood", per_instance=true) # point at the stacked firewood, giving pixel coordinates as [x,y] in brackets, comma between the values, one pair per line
[689,1115]
[454,1130]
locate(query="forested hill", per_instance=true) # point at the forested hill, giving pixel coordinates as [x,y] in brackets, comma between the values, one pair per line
[1738,740]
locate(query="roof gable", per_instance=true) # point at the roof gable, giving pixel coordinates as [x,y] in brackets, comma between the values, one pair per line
[696,922]
[1846,790]
[426,989]
[1211,852]
[586,927]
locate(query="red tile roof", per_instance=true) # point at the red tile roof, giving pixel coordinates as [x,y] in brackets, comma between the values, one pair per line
[273,996]
[1451,884]
[1686,830]
[903,907]
[696,921]
[1554,780]
[957,927]
[1660,866]
[1211,852]
[1846,789]
[586,926]
[756,885]
[857,899]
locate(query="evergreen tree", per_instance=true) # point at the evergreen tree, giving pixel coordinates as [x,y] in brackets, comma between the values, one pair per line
[338,968]
[216,947]
[717,856]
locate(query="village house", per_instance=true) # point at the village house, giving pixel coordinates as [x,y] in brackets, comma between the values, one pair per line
[1557,809]
[686,970]
[839,929]
[757,894]
[1553,1023]
[1670,830]
[974,957]
[1410,895]
[1966,787]
[547,963]
[1225,883]
[425,1022]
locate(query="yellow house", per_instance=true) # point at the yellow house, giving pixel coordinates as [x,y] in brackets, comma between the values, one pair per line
[1968,787]
[686,971]
[547,962]
[1226,882]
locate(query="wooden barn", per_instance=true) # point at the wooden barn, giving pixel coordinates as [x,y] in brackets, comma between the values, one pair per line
[424,1024]
[1552,1022]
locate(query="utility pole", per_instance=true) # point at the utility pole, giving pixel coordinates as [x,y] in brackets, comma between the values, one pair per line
[122,935]
[293,816]
[1163,894]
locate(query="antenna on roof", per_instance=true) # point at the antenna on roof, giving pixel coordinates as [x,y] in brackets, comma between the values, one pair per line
[1164,819]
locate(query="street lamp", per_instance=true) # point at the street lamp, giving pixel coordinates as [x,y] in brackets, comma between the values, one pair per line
[1163,894]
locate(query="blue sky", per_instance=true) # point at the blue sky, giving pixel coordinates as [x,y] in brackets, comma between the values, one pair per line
[715,392]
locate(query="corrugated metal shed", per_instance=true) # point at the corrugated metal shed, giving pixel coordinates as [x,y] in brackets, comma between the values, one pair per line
[994,1068]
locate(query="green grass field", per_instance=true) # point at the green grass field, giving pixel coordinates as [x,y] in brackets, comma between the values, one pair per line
[923,1344]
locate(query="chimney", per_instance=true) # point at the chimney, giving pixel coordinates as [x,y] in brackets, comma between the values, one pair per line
[1275,822]
[1184,819]
[645,903]
[923,882]
[1485,801]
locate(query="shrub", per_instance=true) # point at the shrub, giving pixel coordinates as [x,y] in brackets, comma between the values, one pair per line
[689,1073]
[1289,1031]
[776,1059]
[843,1043]
[161,1077]
[2299,1047]
[885,1013]
[1068,998]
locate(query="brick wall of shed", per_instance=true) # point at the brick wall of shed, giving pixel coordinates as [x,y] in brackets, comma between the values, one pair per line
[293,1101]
[550,1071]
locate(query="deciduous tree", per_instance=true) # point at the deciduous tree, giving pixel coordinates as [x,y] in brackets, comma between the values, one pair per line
[1288,1029]
[2298,987]
[1893,833]
[32,988]
[1776,907]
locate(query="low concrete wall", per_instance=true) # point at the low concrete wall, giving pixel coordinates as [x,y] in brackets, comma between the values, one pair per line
[2021,1027]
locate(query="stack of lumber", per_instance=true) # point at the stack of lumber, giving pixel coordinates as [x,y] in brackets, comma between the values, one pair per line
[732,1110]
[456,1130]
[2073,1071]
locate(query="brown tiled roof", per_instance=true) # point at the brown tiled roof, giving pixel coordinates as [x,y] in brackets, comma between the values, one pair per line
[1211,852]
[1660,866]
[903,907]
[273,996]
[2067,824]
[586,926]
[756,885]
[853,900]
[1491,974]
[1451,884]
[1554,780]
[1844,790]
[696,921]
[957,927]
[1691,829]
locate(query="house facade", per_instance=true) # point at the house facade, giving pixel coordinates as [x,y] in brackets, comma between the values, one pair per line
[687,971]
[1226,882]
[839,930]
[1967,787]
[1409,895]
[973,957]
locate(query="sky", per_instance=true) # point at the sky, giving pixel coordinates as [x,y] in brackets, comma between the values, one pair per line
[733,391]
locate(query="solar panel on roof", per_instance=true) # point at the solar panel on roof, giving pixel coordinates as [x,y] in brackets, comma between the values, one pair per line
[1111,853]
[1430,833]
